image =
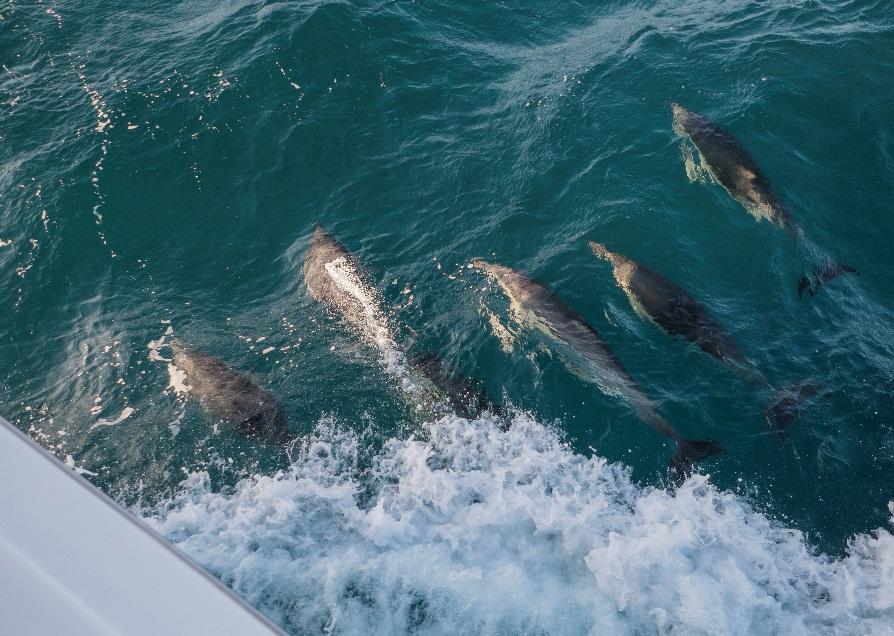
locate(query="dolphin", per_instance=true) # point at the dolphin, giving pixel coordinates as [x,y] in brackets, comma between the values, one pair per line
[733,168]
[786,405]
[464,395]
[736,170]
[668,305]
[588,357]
[231,396]
[334,278]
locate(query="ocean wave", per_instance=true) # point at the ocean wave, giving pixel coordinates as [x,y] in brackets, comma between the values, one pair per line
[478,530]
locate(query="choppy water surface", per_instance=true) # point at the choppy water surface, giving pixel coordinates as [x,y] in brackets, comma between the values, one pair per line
[161,170]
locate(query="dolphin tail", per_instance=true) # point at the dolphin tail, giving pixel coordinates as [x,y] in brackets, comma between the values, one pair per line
[691,451]
[823,274]
[804,283]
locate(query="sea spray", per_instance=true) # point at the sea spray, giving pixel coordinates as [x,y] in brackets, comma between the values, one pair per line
[479,530]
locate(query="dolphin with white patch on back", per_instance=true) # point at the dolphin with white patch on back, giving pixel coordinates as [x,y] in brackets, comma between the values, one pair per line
[335,278]
[733,167]
[231,396]
[587,356]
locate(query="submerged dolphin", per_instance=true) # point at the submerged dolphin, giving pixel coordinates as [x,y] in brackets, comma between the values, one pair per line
[786,405]
[231,396]
[464,395]
[669,306]
[334,278]
[733,168]
[588,356]
[736,170]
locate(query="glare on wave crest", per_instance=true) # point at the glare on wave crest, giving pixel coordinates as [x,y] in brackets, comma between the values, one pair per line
[478,530]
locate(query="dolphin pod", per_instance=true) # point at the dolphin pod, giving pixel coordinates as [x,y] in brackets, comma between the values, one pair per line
[727,161]
[586,355]
[335,279]
[231,396]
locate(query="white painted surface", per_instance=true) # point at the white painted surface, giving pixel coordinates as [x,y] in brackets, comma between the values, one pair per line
[73,562]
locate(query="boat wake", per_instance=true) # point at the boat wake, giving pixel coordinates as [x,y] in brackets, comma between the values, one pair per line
[475,529]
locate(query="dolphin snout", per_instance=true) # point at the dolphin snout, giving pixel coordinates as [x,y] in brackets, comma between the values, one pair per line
[680,116]
[600,250]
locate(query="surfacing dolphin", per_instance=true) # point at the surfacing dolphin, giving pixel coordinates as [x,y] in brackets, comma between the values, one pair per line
[736,170]
[588,357]
[668,305]
[334,278]
[733,168]
[231,396]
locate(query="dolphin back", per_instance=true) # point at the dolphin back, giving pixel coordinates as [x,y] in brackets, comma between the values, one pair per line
[323,249]
[231,396]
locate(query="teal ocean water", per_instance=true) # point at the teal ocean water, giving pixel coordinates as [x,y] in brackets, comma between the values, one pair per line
[162,166]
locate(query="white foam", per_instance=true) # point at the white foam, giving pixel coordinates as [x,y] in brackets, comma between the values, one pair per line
[56,15]
[484,531]
[70,462]
[154,347]
[126,412]
[177,380]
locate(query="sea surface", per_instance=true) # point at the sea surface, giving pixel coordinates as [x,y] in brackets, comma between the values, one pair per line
[162,166]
